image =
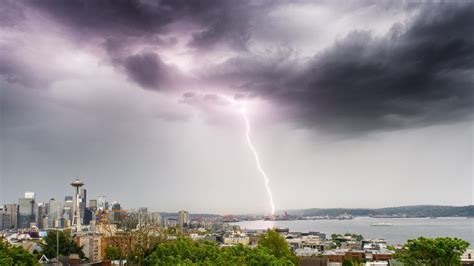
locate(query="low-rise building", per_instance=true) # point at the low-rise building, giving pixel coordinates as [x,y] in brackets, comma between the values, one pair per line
[235,238]
[306,252]
[374,244]
[468,258]
[335,256]
[92,247]
[339,255]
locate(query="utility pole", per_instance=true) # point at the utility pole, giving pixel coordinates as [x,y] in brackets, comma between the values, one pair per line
[57,246]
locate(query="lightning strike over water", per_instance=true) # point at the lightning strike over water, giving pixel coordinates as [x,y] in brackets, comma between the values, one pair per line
[254,151]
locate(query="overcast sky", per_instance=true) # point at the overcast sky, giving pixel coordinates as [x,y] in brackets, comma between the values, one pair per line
[351,103]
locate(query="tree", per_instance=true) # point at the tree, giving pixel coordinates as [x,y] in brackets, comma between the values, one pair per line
[277,245]
[15,255]
[351,262]
[354,236]
[442,251]
[184,251]
[347,262]
[133,242]
[112,253]
[67,245]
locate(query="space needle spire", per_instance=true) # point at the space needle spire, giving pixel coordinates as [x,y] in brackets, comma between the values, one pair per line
[76,217]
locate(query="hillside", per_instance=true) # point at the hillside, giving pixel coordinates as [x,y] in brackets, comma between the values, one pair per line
[410,211]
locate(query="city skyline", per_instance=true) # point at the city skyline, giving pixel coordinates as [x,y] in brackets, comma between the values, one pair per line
[352,104]
[101,202]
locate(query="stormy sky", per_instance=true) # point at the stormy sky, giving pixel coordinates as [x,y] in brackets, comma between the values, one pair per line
[351,103]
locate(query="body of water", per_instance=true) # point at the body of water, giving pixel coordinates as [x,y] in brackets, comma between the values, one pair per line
[399,232]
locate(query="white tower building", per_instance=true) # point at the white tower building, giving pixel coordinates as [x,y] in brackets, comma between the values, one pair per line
[76,217]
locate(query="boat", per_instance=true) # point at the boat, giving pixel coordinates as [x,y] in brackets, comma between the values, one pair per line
[381,224]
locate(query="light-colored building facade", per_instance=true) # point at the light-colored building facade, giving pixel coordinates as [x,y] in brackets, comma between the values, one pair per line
[236,238]
[183,218]
[468,257]
[12,210]
[101,203]
[4,218]
[92,247]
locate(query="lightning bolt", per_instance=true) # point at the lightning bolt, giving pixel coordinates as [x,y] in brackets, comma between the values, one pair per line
[254,151]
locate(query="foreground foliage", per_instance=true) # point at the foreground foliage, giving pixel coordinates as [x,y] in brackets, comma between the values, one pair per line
[272,250]
[67,245]
[276,245]
[442,251]
[10,255]
[112,253]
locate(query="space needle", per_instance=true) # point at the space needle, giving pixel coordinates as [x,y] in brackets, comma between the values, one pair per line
[76,218]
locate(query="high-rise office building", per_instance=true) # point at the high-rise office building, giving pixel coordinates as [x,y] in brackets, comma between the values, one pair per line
[101,203]
[55,212]
[67,215]
[30,195]
[12,210]
[40,214]
[87,218]
[68,209]
[82,202]
[155,219]
[46,222]
[4,218]
[26,210]
[142,216]
[183,218]
[116,210]
[93,205]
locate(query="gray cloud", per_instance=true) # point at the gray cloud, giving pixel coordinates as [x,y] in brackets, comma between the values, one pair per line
[419,73]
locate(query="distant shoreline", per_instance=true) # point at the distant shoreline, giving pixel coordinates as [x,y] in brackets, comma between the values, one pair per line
[398,232]
[416,211]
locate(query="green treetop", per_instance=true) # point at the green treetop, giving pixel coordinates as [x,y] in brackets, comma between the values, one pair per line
[67,245]
[271,250]
[15,255]
[442,251]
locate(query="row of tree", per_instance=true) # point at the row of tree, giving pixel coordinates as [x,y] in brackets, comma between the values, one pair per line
[272,249]
[10,255]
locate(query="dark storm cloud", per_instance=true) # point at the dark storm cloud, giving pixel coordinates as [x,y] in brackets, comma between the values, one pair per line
[215,21]
[123,25]
[228,23]
[140,18]
[418,74]
[11,14]
[147,69]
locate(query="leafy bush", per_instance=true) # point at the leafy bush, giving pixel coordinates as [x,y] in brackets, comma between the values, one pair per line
[272,250]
